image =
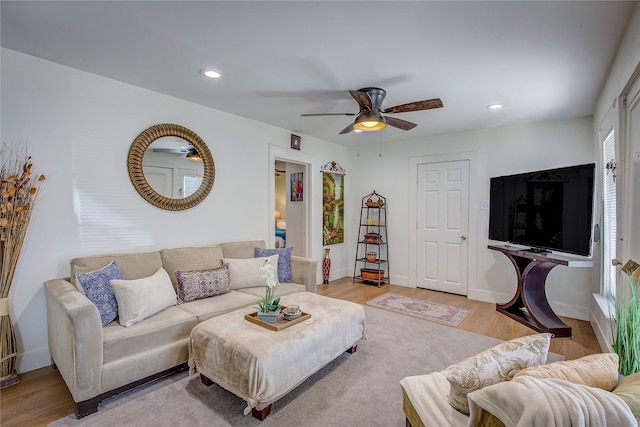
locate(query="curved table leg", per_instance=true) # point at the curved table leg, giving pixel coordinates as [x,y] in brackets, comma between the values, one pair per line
[529,305]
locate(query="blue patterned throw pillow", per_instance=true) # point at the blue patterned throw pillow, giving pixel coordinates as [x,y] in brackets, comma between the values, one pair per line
[284,261]
[97,287]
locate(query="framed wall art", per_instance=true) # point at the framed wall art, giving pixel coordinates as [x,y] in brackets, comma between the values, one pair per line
[297,187]
[332,204]
[296,141]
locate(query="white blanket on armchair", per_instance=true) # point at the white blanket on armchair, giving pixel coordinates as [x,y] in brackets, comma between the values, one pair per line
[533,402]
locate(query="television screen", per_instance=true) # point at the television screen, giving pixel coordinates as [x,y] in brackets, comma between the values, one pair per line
[547,209]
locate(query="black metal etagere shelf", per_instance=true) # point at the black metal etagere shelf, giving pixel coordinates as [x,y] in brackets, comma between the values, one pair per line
[372,250]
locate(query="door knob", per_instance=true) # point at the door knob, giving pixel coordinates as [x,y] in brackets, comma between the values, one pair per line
[463,237]
[615,262]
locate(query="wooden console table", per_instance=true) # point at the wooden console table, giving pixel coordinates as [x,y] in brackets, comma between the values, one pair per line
[529,305]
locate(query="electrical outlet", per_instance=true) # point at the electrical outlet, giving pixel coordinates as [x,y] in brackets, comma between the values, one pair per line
[484,205]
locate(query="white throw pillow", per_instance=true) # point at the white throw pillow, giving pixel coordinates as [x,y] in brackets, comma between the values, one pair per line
[247,272]
[495,365]
[141,298]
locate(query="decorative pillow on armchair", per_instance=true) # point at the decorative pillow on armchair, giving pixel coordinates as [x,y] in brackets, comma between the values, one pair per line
[595,370]
[198,284]
[494,365]
[97,287]
[284,261]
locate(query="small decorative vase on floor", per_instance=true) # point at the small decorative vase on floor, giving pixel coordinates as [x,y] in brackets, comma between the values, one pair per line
[326,267]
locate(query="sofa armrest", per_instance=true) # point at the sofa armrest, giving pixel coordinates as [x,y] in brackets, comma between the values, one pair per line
[75,338]
[303,271]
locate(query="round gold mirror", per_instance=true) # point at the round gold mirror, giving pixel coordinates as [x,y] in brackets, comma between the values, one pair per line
[194,149]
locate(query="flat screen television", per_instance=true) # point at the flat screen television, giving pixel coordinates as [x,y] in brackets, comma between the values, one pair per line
[546,210]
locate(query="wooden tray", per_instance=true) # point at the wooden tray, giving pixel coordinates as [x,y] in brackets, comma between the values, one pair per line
[280,322]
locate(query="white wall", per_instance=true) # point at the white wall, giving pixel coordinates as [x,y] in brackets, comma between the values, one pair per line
[498,152]
[79,127]
[624,70]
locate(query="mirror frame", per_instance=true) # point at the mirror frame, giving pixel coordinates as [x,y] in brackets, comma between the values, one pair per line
[136,174]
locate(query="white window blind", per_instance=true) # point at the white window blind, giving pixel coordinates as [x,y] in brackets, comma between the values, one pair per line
[610,237]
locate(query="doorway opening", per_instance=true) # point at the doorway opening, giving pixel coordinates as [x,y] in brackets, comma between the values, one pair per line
[290,201]
[290,197]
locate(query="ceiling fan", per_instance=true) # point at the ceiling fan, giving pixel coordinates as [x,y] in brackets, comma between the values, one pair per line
[370,118]
[189,152]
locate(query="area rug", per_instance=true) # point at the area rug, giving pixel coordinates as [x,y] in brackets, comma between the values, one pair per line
[427,310]
[359,389]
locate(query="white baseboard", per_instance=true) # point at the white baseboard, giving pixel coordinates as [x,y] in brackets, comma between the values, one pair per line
[600,318]
[566,310]
[487,296]
[34,359]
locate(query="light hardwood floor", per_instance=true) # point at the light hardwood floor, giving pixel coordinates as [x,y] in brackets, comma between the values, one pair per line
[42,397]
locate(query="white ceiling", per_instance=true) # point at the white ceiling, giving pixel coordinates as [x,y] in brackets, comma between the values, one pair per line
[542,60]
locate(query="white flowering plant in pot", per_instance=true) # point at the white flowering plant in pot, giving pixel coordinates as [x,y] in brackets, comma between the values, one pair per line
[269,303]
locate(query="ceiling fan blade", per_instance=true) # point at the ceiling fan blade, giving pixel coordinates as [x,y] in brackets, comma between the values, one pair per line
[399,123]
[427,104]
[346,130]
[362,98]
[327,114]
[169,150]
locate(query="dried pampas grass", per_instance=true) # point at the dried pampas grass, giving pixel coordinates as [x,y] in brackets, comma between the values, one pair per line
[19,191]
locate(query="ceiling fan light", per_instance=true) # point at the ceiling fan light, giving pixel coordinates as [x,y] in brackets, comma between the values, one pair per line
[370,121]
[193,156]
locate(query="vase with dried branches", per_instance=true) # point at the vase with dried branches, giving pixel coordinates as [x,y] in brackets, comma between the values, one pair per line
[19,191]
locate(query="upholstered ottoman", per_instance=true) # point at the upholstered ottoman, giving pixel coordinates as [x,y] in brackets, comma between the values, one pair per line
[261,365]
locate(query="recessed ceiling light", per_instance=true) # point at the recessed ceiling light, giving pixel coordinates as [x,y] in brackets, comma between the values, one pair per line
[494,107]
[211,74]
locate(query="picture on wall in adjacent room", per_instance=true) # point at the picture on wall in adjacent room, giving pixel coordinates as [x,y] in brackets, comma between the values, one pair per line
[332,208]
[297,193]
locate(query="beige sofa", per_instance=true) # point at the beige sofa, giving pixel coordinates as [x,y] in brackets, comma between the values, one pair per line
[98,362]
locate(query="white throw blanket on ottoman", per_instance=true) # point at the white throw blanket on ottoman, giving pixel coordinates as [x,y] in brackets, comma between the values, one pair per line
[260,365]
[535,402]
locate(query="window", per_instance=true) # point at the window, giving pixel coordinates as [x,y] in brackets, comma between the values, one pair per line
[610,239]
[191,185]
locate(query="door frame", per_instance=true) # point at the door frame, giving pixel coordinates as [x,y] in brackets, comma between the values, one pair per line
[308,162]
[474,190]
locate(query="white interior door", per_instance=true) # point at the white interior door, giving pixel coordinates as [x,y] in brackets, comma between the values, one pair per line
[160,179]
[443,225]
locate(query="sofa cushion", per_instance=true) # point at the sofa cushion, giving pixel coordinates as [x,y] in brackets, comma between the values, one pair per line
[198,284]
[190,259]
[497,364]
[132,266]
[247,273]
[164,328]
[282,289]
[207,308]
[96,285]
[595,370]
[629,390]
[245,249]
[284,261]
[141,298]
